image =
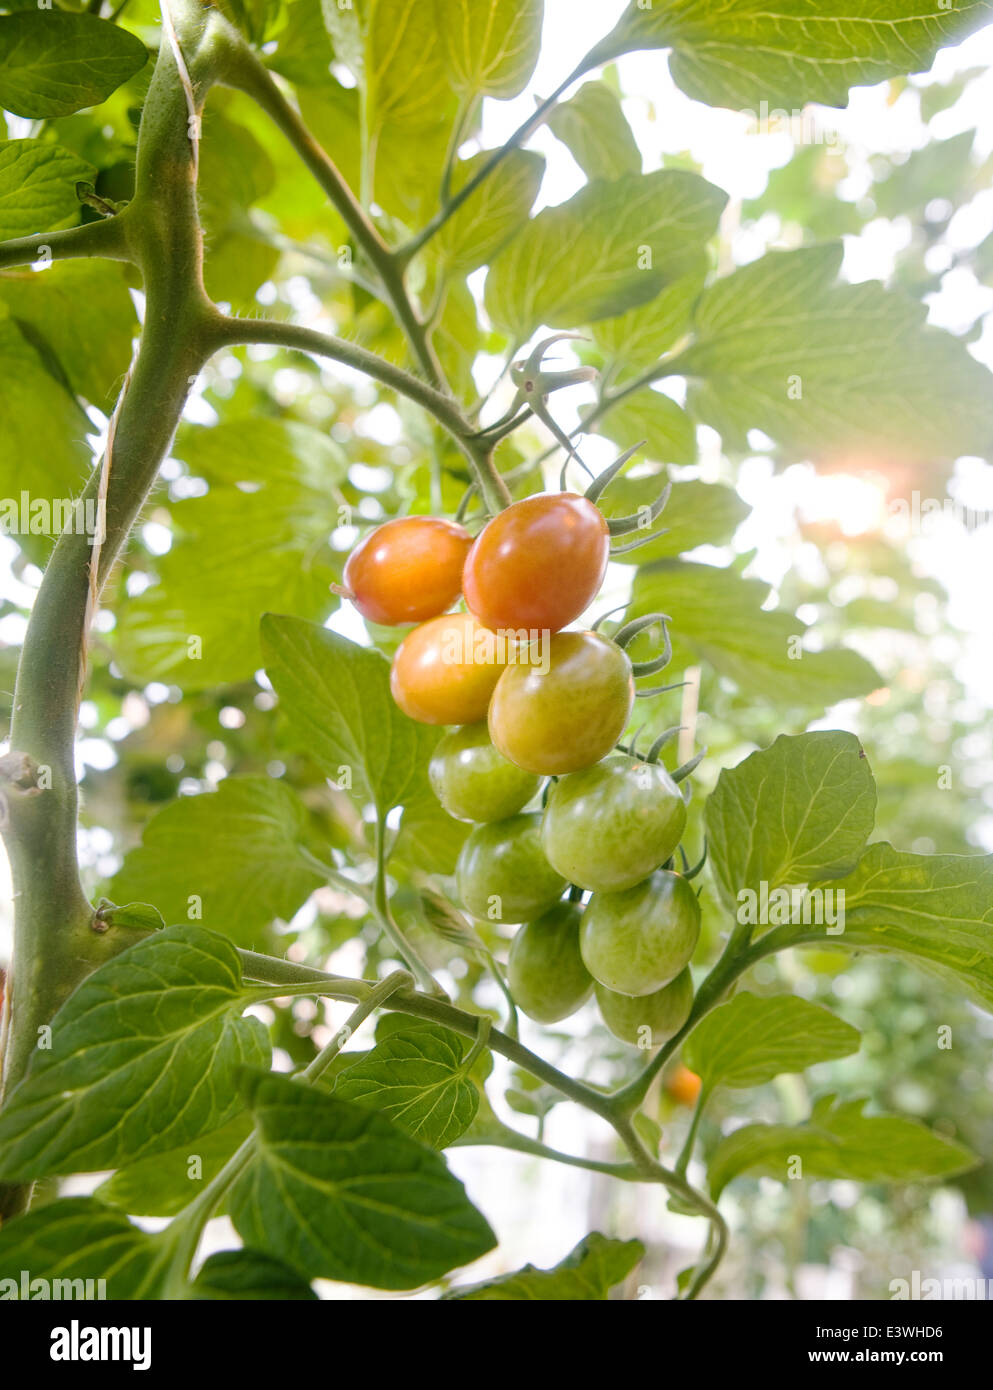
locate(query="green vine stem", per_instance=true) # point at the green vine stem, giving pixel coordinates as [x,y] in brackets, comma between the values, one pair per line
[243,70]
[105,238]
[523,132]
[617,1112]
[224,331]
[375,999]
[54,944]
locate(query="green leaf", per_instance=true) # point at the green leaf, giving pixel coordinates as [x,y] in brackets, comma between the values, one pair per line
[491,45]
[38,187]
[303,54]
[457,339]
[336,697]
[416,1077]
[830,369]
[793,813]
[637,339]
[82,315]
[406,79]
[611,247]
[593,128]
[838,1141]
[805,193]
[751,1039]
[588,1274]
[143,1057]
[429,835]
[696,514]
[52,63]
[669,434]
[197,625]
[941,169]
[340,1192]
[235,856]
[718,619]
[78,1239]
[45,450]
[492,214]
[136,916]
[747,53]
[933,910]
[249,1274]
[164,1183]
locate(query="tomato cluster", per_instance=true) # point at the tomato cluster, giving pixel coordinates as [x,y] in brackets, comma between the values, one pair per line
[531,702]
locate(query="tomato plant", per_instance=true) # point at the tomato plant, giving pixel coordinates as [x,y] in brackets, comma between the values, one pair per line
[632,761]
[637,940]
[647,1020]
[544,968]
[502,873]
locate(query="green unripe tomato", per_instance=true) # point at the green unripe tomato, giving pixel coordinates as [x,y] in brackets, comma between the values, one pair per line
[474,781]
[611,825]
[662,1013]
[636,941]
[545,971]
[502,873]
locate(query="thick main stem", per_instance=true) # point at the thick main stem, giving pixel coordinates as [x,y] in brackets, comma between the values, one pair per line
[55,944]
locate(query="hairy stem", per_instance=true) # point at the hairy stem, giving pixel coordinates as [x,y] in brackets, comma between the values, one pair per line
[522,133]
[375,999]
[55,945]
[228,332]
[105,238]
[243,70]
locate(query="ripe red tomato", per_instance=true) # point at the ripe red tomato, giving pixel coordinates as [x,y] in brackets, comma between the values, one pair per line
[408,570]
[445,670]
[538,564]
[569,715]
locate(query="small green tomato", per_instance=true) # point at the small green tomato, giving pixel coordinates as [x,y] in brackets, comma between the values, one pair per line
[648,1020]
[502,873]
[474,781]
[545,971]
[636,941]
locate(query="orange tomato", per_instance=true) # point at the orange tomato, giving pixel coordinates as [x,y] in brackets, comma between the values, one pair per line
[683,1085]
[407,570]
[538,564]
[445,670]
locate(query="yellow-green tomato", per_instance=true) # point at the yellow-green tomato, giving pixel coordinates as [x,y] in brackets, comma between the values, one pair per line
[502,873]
[566,707]
[474,781]
[545,971]
[636,941]
[611,825]
[648,1020]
